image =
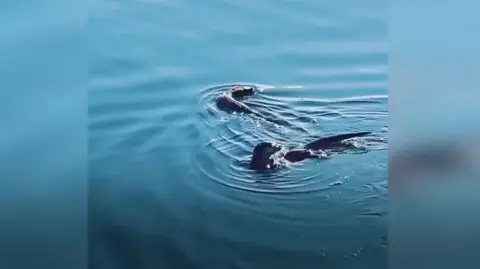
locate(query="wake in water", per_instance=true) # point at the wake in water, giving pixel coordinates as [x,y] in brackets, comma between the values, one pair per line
[239,139]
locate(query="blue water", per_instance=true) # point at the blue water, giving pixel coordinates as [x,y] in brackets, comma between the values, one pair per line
[168,182]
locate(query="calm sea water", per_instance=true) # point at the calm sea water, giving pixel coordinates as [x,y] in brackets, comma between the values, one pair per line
[168,183]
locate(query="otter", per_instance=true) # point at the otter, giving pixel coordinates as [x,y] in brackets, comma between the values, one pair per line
[231,102]
[269,155]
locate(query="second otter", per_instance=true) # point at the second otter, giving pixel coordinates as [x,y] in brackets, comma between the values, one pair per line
[231,102]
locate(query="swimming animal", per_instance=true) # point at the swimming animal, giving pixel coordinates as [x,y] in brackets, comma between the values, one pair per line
[270,155]
[231,102]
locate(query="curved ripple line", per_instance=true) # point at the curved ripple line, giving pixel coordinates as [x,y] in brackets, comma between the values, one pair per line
[237,134]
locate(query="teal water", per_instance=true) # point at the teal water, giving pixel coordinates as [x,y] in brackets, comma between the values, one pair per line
[168,184]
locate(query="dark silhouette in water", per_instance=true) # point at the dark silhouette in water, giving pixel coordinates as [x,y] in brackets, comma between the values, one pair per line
[269,155]
[231,102]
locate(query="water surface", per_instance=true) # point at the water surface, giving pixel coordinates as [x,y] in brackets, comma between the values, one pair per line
[169,187]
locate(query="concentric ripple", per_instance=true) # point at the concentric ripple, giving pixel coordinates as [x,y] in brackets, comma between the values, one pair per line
[168,171]
[229,138]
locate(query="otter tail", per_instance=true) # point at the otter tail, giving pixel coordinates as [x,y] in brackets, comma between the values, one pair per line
[331,141]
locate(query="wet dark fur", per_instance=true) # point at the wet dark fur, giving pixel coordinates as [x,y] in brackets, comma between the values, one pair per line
[263,153]
[231,102]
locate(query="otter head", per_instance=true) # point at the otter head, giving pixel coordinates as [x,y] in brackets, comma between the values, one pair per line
[262,155]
